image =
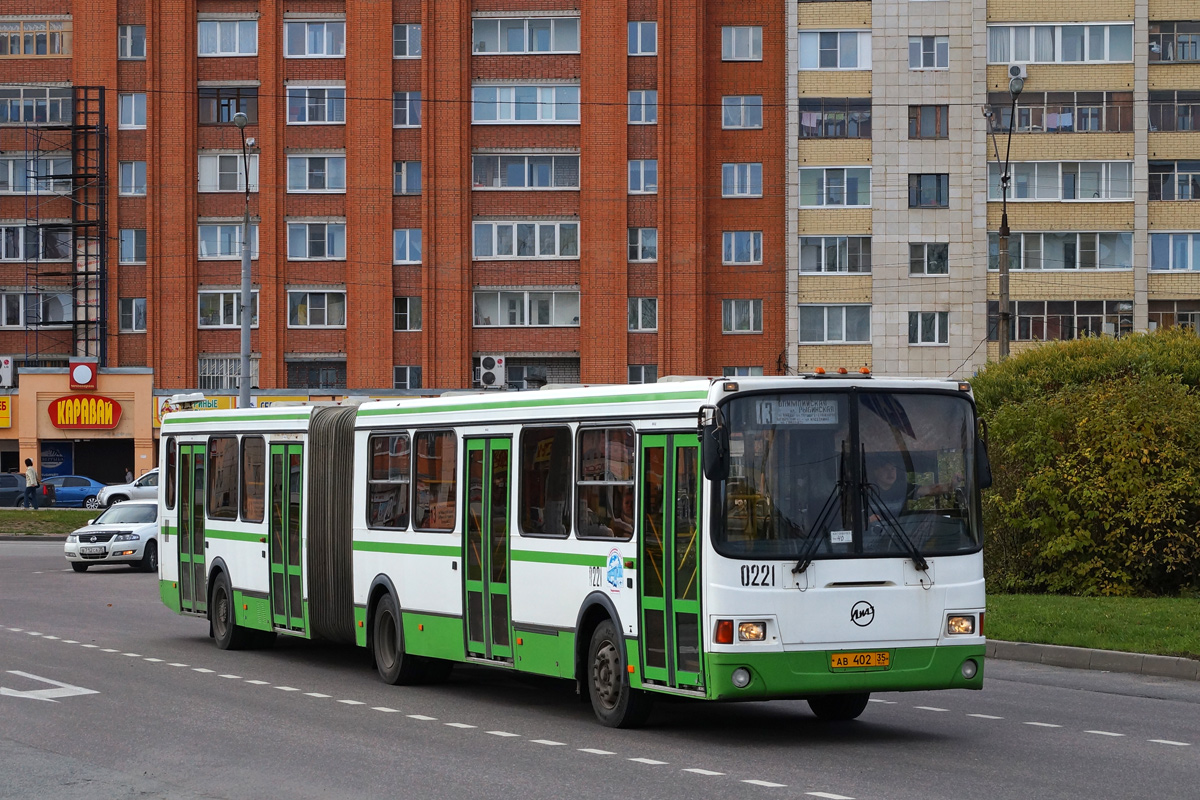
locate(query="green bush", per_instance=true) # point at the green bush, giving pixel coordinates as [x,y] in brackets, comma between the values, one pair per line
[1094,446]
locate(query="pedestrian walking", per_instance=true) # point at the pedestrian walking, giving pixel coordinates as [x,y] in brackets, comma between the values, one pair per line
[32,484]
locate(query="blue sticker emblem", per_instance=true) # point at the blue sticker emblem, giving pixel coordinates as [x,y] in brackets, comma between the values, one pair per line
[616,570]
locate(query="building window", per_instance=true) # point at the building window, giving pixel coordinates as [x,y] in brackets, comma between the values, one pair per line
[530,35]
[224,372]
[929,52]
[835,324]
[226,173]
[643,373]
[233,37]
[316,174]
[406,314]
[406,377]
[29,243]
[131,42]
[406,177]
[133,178]
[1174,42]
[1174,313]
[835,254]
[1057,250]
[24,175]
[1068,180]
[928,258]
[509,240]
[643,107]
[537,309]
[643,314]
[324,39]
[406,41]
[406,109]
[643,176]
[525,104]
[132,110]
[312,105]
[1059,44]
[741,43]
[929,122]
[524,172]
[19,310]
[741,372]
[835,50]
[406,246]
[218,104]
[835,186]
[1065,112]
[1175,251]
[835,118]
[316,374]
[223,309]
[929,190]
[741,111]
[36,105]
[643,244]
[1058,320]
[928,327]
[643,38]
[32,38]
[316,240]
[741,316]
[133,314]
[223,241]
[316,309]
[741,247]
[133,246]
[1175,180]
[741,180]
[1175,110]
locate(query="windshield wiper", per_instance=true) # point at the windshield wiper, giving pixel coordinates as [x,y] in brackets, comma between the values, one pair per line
[876,506]
[814,539]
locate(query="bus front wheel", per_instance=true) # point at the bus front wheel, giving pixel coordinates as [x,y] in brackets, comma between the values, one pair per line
[838,707]
[225,630]
[616,703]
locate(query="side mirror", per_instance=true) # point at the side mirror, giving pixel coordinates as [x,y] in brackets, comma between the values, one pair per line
[714,443]
[983,465]
[90,521]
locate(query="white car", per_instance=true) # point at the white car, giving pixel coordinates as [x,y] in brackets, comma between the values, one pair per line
[124,534]
[144,488]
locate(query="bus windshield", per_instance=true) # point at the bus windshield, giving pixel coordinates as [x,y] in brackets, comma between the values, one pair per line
[849,474]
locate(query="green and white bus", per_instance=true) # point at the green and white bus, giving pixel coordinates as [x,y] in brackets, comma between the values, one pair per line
[813,537]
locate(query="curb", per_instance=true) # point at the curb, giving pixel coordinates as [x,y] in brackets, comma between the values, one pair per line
[1086,658]
[33,537]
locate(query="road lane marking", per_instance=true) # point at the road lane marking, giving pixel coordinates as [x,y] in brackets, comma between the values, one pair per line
[132,655]
[1042,724]
[502,733]
[1105,733]
[460,725]
[984,716]
[385,709]
[70,641]
[767,784]
[153,660]
[46,695]
[233,677]
[829,796]
[1168,741]
[202,669]
[176,664]
[352,702]
[649,761]
[931,708]
[109,650]
[596,752]
[698,771]
[885,702]
[422,717]
[317,694]
[51,638]
[286,688]
[259,683]
[548,742]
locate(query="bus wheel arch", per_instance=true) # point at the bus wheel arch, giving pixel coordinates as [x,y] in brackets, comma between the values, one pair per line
[222,616]
[601,667]
[385,638]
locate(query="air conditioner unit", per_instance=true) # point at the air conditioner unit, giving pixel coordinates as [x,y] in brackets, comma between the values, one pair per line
[1018,71]
[491,372]
[6,372]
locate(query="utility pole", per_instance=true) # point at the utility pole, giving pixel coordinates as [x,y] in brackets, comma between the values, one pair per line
[1015,86]
[240,119]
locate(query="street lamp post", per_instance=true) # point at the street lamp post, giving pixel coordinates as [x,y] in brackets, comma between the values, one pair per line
[240,119]
[1014,88]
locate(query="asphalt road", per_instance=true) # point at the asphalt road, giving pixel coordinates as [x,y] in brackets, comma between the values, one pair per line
[169,715]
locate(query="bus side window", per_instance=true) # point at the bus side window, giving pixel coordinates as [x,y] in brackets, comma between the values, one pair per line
[387,482]
[436,481]
[223,477]
[605,490]
[254,481]
[170,467]
[546,481]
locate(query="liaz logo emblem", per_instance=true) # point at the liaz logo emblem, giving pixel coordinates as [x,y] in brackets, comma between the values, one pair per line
[863,614]
[616,570]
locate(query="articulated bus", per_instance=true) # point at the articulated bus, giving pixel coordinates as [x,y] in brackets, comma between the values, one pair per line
[814,537]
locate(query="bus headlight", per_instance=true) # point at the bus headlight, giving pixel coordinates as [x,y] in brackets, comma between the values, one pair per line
[959,625]
[740,677]
[752,631]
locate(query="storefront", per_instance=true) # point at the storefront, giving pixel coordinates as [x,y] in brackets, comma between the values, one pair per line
[80,421]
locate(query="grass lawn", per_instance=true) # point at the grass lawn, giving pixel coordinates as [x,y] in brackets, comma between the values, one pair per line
[26,522]
[1163,626]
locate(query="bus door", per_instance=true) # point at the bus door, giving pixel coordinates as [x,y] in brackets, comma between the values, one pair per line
[669,568]
[485,577]
[287,588]
[193,581]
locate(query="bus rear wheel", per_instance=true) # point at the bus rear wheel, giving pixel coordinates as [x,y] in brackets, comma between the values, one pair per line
[225,630]
[616,703]
[839,707]
[387,645]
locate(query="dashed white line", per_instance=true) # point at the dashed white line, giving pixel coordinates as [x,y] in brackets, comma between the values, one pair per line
[1168,741]
[232,677]
[1042,724]
[153,660]
[931,708]
[286,688]
[649,761]
[885,702]
[984,716]
[549,742]
[596,752]
[767,784]
[51,638]
[829,796]
[35,633]
[258,683]
[108,650]
[1105,733]
[699,771]
[422,717]
[385,709]
[352,702]
[90,646]
[202,669]
[16,630]
[177,664]
[502,733]
[70,641]
[460,725]
[132,655]
[317,694]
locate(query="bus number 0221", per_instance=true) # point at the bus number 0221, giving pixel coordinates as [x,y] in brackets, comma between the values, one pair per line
[758,575]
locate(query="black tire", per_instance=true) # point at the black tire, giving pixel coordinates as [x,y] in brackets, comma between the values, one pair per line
[90,502]
[149,562]
[839,707]
[120,498]
[221,615]
[387,646]
[616,703]
[75,565]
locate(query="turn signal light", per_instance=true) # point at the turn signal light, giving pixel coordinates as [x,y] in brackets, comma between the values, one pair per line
[842,371]
[865,370]
[819,370]
[724,631]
